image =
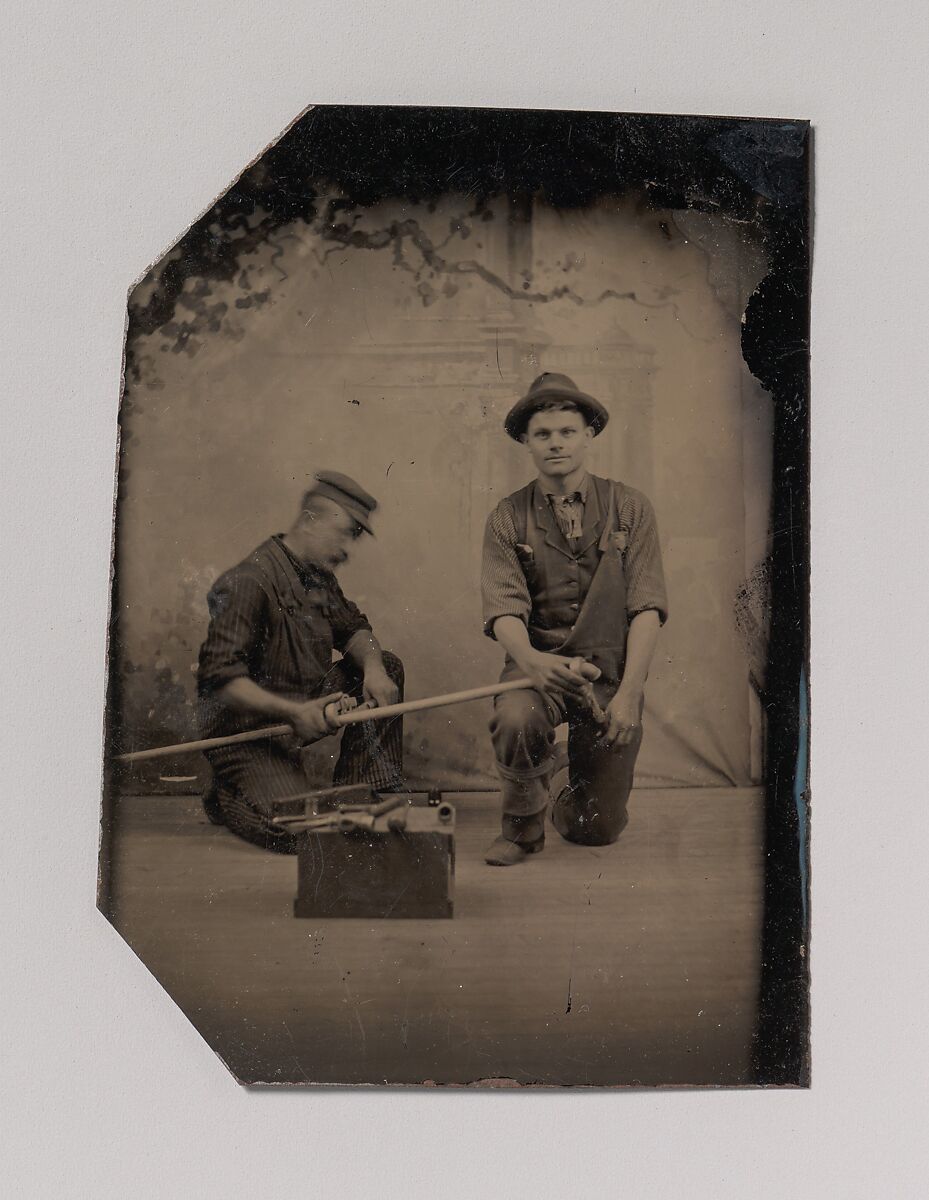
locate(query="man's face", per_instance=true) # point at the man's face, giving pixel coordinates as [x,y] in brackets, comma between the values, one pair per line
[328,536]
[558,441]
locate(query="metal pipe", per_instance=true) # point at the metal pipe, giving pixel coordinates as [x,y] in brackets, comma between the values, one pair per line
[335,718]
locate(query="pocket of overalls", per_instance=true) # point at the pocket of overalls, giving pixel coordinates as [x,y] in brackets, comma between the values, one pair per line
[619,541]
[315,635]
[527,562]
[615,541]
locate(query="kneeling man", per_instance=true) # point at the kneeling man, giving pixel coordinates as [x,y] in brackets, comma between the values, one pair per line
[571,568]
[276,619]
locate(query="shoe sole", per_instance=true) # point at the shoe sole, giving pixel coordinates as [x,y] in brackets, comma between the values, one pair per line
[534,848]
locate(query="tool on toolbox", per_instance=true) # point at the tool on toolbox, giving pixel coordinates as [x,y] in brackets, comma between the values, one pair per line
[365,816]
[341,809]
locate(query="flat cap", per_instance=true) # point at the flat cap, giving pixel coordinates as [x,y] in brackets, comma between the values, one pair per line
[350,495]
[542,391]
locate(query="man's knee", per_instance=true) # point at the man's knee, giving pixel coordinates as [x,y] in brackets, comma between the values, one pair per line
[231,807]
[596,831]
[521,712]
[590,820]
[522,731]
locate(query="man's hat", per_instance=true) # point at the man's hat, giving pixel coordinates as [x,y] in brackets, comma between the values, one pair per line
[347,493]
[553,387]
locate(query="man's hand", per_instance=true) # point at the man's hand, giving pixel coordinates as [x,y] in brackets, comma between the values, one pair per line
[552,673]
[623,713]
[379,688]
[309,719]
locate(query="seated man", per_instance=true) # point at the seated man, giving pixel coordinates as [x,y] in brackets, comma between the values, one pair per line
[571,569]
[275,620]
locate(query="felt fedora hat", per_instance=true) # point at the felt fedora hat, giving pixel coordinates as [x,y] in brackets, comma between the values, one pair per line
[347,493]
[542,391]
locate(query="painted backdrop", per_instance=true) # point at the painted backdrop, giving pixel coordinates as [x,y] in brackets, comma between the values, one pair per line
[391,351]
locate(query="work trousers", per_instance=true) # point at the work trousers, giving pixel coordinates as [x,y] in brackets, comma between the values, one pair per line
[592,810]
[252,780]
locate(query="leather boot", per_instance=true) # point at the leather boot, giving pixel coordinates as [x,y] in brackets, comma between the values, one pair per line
[523,833]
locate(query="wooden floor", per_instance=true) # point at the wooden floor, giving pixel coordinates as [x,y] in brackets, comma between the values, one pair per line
[631,964]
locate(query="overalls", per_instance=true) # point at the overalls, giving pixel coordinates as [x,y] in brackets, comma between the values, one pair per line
[585,581]
[294,660]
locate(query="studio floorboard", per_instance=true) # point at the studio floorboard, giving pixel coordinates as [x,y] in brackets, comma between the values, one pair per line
[630,964]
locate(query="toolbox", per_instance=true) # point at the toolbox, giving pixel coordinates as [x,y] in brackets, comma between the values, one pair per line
[361,855]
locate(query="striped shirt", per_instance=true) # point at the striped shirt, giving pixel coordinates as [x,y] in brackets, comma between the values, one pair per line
[276,621]
[505,592]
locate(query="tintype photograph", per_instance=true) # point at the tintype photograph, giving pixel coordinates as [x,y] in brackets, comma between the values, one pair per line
[458,705]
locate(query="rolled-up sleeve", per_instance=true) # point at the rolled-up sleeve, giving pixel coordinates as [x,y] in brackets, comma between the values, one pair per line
[645,583]
[238,614]
[346,618]
[504,591]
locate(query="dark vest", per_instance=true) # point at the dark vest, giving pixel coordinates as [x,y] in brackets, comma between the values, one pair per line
[558,572]
[578,591]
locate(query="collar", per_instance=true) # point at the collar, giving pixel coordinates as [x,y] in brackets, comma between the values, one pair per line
[308,573]
[545,516]
[581,490]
